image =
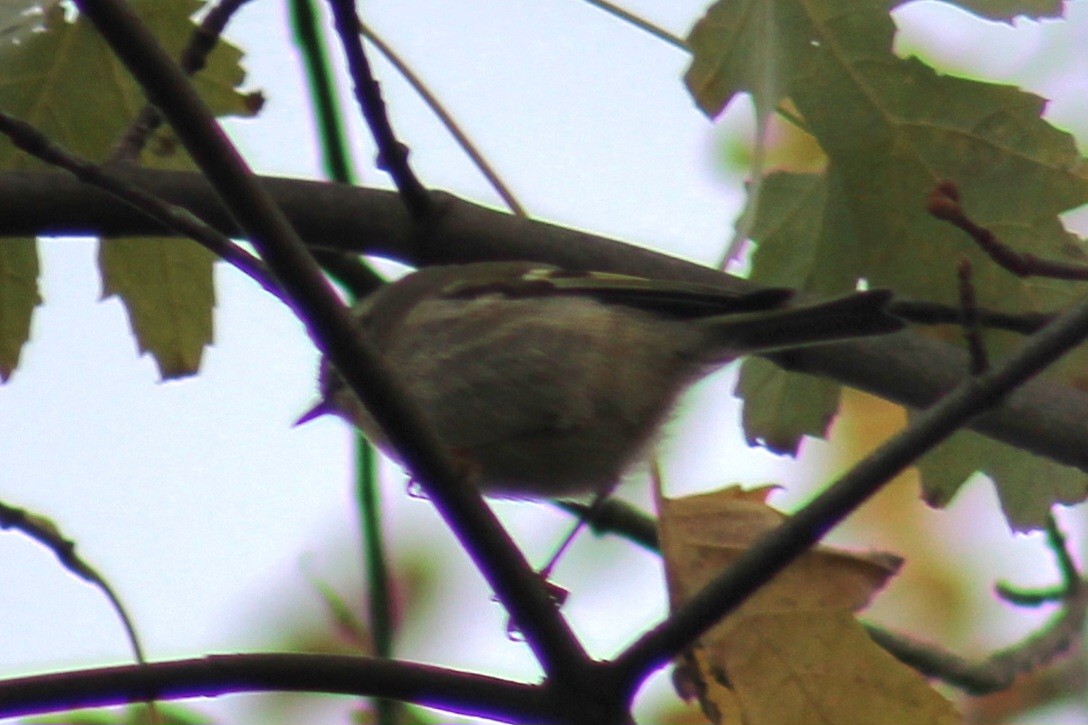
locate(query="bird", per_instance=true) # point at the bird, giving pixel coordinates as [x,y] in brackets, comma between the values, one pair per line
[554,383]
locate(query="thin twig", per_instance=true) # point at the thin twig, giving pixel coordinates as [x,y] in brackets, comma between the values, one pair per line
[972,333]
[934,313]
[641,23]
[176,218]
[1071,575]
[454,128]
[1039,648]
[203,40]
[613,516]
[392,154]
[336,158]
[944,204]
[996,672]
[45,532]
[1035,597]
[1072,579]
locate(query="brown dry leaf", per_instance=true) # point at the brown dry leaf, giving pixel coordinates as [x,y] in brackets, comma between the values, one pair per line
[793,653]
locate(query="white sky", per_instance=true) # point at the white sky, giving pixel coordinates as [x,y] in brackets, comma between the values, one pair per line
[199,501]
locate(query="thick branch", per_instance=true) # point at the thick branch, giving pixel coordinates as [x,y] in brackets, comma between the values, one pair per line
[460,692]
[1041,417]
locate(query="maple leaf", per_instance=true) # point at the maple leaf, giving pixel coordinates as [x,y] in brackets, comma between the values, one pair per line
[67,82]
[793,652]
[892,128]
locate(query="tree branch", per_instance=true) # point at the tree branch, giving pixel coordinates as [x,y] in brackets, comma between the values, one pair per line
[1042,417]
[177,218]
[470,149]
[201,43]
[450,690]
[392,153]
[334,331]
[781,546]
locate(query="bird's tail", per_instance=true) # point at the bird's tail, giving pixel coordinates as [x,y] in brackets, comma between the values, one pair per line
[856,315]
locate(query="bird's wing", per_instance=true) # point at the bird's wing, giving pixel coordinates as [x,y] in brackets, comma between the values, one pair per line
[669,297]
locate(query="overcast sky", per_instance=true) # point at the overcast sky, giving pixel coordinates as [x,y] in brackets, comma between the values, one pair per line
[200,502]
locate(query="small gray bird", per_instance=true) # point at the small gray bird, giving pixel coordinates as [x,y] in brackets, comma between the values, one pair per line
[553,383]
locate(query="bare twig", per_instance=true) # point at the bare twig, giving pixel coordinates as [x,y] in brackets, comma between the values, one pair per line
[1041,647]
[347,270]
[934,313]
[944,204]
[392,154]
[201,43]
[997,671]
[308,36]
[1063,682]
[45,532]
[641,23]
[613,516]
[1071,577]
[462,139]
[972,333]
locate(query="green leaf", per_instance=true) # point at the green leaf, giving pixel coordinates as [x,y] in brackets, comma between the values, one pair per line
[734,50]
[781,407]
[1008,10]
[892,128]
[801,248]
[167,288]
[66,82]
[218,82]
[1027,485]
[756,46]
[803,240]
[18,298]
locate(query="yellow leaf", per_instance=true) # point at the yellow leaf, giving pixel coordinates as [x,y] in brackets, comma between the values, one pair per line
[793,652]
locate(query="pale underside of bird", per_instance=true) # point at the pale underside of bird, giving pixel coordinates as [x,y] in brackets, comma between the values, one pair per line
[552,383]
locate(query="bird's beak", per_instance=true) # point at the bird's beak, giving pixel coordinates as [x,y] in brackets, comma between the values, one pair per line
[322,407]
